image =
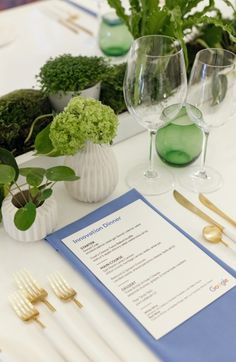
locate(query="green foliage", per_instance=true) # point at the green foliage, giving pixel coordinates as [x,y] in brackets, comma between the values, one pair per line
[175,18]
[25,216]
[112,88]
[71,73]
[18,110]
[81,121]
[37,186]
[43,144]
[211,36]
[6,158]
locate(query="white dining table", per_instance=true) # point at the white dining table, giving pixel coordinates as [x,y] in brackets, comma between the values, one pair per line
[37,36]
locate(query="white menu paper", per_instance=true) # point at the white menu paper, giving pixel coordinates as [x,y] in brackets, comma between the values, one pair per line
[157,273]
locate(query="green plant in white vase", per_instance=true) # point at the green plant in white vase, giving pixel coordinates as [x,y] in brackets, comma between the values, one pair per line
[27,191]
[83,132]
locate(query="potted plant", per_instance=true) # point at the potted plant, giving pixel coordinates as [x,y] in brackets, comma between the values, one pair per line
[176,18]
[83,133]
[66,75]
[29,210]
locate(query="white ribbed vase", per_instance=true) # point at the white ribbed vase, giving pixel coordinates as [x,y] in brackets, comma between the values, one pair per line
[44,224]
[97,167]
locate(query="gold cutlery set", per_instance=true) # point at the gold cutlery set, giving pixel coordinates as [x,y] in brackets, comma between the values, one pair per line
[71,23]
[213,232]
[67,19]
[31,293]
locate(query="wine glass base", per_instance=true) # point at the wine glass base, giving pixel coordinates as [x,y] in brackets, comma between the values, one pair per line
[161,183]
[193,181]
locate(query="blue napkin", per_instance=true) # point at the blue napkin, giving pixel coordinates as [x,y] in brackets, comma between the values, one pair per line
[208,336]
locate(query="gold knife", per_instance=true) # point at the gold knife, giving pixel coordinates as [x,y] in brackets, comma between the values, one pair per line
[214,208]
[190,206]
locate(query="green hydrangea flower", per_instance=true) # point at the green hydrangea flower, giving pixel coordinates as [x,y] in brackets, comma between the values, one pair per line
[81,121]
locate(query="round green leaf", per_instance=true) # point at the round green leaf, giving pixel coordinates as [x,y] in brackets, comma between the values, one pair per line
[34,175]
[7,174]
[25,216]
[45,194]
[34,191]
[7,158]
[61,173]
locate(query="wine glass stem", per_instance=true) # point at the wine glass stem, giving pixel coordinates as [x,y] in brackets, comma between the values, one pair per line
[202,172]
[151,172]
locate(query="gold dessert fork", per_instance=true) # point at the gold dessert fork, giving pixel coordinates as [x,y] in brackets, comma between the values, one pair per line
[31,289]
[62,289]
[24,309]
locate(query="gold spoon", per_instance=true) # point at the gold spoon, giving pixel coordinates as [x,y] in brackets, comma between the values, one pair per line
[213,234]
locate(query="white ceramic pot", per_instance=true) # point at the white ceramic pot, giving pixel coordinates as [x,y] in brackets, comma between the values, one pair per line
[59,101]
[97,167]
[44,224]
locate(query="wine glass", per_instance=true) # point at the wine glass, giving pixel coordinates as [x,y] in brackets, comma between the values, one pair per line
[155,78]
[212,89]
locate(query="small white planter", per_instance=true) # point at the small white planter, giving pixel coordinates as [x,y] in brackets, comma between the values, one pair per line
[44,224]
[59,101]
[97,167]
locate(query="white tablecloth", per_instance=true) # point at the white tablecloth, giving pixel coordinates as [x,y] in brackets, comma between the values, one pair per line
[36,38]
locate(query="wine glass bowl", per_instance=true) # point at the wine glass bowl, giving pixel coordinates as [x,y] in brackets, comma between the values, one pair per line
[155,78]
[212,89]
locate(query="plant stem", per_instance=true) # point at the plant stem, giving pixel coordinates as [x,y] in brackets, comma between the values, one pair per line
[13,195]
[34,123]
[53,183]
[15,188]
[151,172]
[22,192]
[202,172]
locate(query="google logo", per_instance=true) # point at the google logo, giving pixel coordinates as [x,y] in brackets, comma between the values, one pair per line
[217,286]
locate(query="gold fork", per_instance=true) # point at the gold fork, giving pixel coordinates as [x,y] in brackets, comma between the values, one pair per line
[62,289]
[66,293]
[24,309]
[31,289]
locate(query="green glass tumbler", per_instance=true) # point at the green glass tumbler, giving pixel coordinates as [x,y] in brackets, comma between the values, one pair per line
[179,143]
[114,37]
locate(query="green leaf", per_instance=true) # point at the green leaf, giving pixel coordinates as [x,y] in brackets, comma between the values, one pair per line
[25,216]
[45,194]
[7,158]
[195,20]
[34,192]
[43,144]
[34,175]
[120,11]
[7,174]
[219,88]
[61,173]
